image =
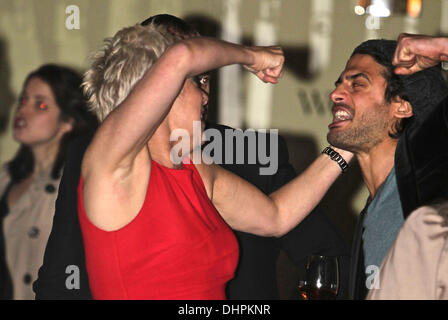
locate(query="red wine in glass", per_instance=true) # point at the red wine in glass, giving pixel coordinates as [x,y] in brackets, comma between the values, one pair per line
[310,292]
[321,279]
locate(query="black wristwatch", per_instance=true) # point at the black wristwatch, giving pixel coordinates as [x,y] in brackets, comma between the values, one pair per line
[335,156]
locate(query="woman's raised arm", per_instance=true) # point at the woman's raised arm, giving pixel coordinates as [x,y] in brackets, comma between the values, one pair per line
[247,209]
[128,128]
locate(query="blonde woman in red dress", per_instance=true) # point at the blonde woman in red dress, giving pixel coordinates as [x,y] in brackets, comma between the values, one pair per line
[154,228]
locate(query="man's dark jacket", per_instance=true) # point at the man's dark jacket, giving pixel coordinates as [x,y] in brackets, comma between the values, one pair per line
[421,167]
[255,276]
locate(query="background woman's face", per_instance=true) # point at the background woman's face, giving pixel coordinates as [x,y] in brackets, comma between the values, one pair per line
[37,120]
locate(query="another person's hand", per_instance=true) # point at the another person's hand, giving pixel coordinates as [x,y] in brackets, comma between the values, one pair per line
[268,63]
[417,52]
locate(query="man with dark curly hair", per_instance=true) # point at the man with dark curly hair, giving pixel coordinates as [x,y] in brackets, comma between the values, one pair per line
[377,115]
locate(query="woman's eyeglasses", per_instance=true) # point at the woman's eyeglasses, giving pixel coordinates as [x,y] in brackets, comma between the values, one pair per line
[202,80]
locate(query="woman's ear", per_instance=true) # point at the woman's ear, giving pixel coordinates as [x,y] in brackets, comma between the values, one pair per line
[402,109]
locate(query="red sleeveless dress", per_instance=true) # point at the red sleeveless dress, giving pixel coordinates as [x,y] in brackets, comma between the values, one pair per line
[177,247]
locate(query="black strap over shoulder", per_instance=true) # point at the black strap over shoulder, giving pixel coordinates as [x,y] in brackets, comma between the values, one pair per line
[357,283]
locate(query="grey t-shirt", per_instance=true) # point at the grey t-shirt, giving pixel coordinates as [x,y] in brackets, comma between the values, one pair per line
[382,223]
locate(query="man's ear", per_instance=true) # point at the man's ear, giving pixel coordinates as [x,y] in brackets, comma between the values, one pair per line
[402,108]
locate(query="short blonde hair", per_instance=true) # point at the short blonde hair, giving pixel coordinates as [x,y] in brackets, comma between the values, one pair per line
[121,63]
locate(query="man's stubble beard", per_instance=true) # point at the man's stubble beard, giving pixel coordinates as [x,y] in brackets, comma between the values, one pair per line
[370,131]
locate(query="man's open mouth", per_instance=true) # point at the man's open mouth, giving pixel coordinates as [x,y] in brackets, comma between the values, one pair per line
[341,114]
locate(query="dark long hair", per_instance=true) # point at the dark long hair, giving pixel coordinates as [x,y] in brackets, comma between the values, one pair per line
[65,85]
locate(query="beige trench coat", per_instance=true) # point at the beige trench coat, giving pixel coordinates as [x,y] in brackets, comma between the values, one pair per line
[416,267]
[26,229]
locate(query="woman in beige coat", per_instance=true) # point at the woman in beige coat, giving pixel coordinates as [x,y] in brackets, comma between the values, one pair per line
[416,267]
[51,112]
